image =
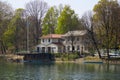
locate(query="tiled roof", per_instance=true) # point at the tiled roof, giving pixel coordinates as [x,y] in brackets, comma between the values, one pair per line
[52,36]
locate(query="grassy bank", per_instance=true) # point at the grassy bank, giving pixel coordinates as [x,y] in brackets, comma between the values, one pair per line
[112,60]
[66,56]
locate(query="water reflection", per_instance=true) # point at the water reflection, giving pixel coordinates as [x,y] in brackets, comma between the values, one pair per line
[60,71]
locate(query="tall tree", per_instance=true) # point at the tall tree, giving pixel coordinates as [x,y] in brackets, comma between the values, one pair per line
[115,18]
[12,36]
[36,10]
[105,19]
[88,24]
[50,21]
[5,16]
[67,21]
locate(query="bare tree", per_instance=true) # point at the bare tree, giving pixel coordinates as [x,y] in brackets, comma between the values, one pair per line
[87,22]
[5,11]
[36,10]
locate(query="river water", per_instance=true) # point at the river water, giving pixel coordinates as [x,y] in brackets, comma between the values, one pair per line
[58,71]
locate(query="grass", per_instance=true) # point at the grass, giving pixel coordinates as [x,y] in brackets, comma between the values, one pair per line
[90,58]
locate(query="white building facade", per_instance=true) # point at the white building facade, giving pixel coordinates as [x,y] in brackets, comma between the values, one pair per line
[76,41]
[51,43]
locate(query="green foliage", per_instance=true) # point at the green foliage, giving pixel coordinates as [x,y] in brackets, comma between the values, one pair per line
[103,8]
[67,56]
[10,36]
[50,21]
[73,56]
[5,16]
[106,16]
[67,21]
[10,32]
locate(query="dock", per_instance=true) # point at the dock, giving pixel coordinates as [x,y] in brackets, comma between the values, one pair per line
[37,56]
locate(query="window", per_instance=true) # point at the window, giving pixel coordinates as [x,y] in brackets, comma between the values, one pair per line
[72,38]
[77,38]
[42,40]
[78,47]
[68,48]
[73,48]
[48,40]
[38,49]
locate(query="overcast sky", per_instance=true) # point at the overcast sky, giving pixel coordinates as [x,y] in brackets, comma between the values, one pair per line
[80,6]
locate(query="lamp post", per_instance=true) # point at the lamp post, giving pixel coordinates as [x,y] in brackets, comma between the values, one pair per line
[26,16]
[27,36]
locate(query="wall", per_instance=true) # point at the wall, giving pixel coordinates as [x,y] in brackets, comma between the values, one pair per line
[78,41]
[48,41]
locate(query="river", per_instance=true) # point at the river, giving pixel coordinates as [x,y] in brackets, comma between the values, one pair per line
[58,71]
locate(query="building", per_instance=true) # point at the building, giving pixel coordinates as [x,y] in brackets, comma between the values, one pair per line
[76,41]
[71,41]
[51,43]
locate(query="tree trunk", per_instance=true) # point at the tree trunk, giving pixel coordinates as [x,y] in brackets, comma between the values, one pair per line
[3,49]
[95,44]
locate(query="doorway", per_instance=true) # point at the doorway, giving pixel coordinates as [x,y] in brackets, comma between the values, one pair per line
[49,49]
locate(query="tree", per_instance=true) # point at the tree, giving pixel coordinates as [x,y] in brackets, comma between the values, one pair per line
[50,21]
[36,10]
[67,21]
[88,24]
[60,9]
[115,18]
[16,28]
[105,19]
[5,16]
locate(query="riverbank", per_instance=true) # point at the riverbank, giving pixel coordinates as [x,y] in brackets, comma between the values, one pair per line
[113,60]
[13,58]
[63,59]
[91,59]
[88,59]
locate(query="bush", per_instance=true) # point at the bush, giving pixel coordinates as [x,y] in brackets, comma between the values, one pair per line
[73,56]
[57,55]
[66,56]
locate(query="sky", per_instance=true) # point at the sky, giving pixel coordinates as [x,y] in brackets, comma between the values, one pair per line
[80,6]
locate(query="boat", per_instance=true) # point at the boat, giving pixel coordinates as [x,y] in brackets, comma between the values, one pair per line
[98,62]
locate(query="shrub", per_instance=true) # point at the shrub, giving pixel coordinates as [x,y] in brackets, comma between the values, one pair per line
[66,56]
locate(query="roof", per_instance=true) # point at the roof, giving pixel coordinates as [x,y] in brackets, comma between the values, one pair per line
[51,36]
[75,33]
